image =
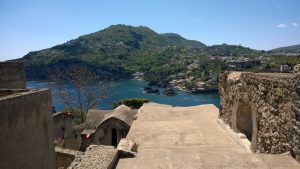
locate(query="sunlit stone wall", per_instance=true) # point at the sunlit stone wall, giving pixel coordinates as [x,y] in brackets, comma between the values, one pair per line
[264,107]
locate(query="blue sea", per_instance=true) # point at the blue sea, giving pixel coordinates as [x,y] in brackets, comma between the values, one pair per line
[134,89]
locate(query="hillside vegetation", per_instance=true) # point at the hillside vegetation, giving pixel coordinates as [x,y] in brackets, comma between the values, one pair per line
[288,49]
[115,51]
[121,50]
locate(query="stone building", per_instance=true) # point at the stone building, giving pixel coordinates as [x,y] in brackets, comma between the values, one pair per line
[65,134]
[26,137]
[62,125]
[107,127]
[285,68]
[12,75]
[265,107]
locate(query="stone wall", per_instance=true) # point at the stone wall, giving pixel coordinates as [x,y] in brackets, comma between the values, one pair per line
[296,109]
[63,160]
[260,105]
[64,134]
[12,75]
[62,125]
[26,137]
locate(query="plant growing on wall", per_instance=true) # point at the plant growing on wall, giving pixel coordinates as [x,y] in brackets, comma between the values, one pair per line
[77,87]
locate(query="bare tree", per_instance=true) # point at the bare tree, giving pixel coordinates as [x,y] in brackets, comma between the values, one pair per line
[77,87]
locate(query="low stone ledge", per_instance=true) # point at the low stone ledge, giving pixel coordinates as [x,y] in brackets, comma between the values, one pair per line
[7,92]
[68,151]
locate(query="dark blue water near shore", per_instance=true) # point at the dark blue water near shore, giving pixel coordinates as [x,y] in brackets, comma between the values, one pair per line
[134,89]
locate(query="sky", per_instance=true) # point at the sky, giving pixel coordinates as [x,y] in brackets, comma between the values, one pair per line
[30,25]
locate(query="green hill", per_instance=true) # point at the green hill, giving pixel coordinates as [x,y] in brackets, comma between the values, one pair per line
[288,49]
[120,50]
[111,51]
[177,40]
[229,50]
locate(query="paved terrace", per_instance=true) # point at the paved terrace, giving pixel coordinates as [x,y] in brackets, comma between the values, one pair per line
[191,137]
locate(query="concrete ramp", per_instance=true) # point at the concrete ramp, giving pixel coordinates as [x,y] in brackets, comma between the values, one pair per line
[190,137]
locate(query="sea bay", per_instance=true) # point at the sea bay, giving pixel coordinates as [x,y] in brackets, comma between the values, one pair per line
[134,89]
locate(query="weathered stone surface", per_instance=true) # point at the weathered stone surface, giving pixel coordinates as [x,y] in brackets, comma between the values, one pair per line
[126,145]
[64,157]
[96,157]
[12,75]
[64,134]
[296,106]
[296,69]
[26,137]
[190,137]
[272,101]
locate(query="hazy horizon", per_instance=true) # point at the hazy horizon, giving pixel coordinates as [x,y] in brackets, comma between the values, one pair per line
[34,25]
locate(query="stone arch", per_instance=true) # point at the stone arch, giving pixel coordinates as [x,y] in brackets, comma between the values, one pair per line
[243,120]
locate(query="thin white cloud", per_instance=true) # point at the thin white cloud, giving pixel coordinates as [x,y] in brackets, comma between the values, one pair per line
[295,24]
[281,25]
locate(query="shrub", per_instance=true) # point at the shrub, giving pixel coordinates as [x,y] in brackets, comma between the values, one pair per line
[134,103]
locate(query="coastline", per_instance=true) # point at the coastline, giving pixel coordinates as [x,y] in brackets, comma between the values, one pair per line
[132,88]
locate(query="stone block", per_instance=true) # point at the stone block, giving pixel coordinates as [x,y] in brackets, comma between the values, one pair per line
[127,148]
